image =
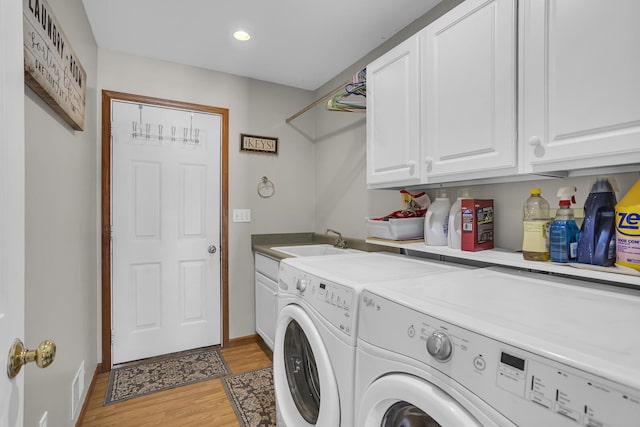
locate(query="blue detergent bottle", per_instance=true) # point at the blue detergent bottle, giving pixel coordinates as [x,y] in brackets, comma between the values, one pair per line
[564,232]
[597,242]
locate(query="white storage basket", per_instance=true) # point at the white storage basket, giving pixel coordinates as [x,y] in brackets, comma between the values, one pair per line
[396,228]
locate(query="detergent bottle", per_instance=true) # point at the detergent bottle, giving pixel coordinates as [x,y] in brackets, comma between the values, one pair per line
[535,224]
[597,244]
[436,222]
[564,232]
[454,235]
[628,229]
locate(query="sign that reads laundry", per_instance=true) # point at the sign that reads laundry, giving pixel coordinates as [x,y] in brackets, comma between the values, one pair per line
[51,67]
[262,144]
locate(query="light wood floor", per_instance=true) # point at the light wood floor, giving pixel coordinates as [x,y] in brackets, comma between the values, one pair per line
[200,404]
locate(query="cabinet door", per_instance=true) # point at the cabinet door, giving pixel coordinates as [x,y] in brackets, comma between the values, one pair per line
[469,92]
[266,308]
[393,145]
[580,83]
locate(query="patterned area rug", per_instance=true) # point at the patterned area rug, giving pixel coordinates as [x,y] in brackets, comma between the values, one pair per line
[157,375]
[252,396]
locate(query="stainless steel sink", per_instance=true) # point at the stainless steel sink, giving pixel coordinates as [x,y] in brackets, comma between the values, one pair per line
[312,250]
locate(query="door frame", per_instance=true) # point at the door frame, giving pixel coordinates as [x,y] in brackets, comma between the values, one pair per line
[107,97]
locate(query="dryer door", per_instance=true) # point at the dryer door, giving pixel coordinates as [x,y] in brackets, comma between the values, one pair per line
[400,400]
[305,384]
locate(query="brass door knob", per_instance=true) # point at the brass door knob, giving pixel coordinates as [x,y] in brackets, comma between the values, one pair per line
[19,356]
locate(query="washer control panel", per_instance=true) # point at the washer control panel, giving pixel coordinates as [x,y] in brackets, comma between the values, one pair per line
[529,389]
[332,301]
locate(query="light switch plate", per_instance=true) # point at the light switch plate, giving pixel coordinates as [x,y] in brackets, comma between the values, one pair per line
[242,215]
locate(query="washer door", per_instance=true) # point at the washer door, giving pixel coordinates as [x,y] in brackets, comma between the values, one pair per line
[305,384]
[401,400]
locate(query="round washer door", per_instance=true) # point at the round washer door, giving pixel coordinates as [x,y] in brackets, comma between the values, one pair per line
[401,400]
[305,384]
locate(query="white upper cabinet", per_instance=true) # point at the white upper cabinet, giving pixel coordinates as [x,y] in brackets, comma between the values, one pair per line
[393,138]
[499,88]
[468,72]
[580,84]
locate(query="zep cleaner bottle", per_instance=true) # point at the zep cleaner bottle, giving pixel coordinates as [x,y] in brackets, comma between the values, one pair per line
[628,229]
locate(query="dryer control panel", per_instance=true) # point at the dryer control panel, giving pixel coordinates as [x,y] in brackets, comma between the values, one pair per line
[334,302]
[578,396]
[529,389]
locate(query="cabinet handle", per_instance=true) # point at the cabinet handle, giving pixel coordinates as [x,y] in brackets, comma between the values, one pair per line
[412,167]
[535,141]
[428,161]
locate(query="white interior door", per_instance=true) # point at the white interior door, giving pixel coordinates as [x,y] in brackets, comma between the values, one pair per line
[165,224]
[11,207]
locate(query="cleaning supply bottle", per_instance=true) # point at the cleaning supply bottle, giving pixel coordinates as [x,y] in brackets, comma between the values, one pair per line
[454,236]
[597,244]
[436,222]
[628,229]
[535,225]
[564,232]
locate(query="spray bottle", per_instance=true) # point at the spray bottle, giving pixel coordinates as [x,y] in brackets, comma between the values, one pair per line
[564,232]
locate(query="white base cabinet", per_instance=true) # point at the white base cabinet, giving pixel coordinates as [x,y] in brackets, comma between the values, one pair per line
[266,293]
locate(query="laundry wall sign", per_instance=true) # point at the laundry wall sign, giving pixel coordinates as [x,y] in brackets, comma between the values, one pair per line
[51,67]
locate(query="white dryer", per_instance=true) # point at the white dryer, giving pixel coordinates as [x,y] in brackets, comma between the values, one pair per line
[497,347]
[314,350]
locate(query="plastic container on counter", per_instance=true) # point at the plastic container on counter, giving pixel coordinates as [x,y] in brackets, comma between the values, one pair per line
[628,229]
[597,242]
[396,228]
[535,227]
[436,220]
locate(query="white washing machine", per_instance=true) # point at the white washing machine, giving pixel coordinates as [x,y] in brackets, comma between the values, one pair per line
[497,347]
[314,350]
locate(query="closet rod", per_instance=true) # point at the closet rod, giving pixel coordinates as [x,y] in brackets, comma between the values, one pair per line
[317,101]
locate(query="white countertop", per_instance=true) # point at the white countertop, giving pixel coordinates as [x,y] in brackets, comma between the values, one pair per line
[510,258]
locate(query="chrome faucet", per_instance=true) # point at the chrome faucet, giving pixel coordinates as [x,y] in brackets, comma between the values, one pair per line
[340,243]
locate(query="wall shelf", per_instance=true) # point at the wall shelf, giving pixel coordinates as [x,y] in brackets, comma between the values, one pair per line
[504,257]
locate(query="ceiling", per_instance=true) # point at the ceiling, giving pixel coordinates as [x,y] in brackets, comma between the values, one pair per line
[296,43]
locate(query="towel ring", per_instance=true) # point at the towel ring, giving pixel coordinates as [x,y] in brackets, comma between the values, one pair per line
[266,188]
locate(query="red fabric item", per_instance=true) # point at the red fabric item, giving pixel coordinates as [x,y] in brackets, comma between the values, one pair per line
[405,213]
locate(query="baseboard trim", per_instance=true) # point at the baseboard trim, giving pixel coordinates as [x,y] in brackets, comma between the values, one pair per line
[249,339]
[89,392]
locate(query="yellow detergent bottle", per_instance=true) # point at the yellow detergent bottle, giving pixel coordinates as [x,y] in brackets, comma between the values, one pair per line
[628,229]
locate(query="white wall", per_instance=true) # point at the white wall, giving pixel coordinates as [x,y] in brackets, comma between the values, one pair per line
[61,236]
[342,198]
[255,107]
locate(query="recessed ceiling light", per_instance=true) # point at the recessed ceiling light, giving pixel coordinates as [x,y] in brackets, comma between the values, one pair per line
[243,36]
